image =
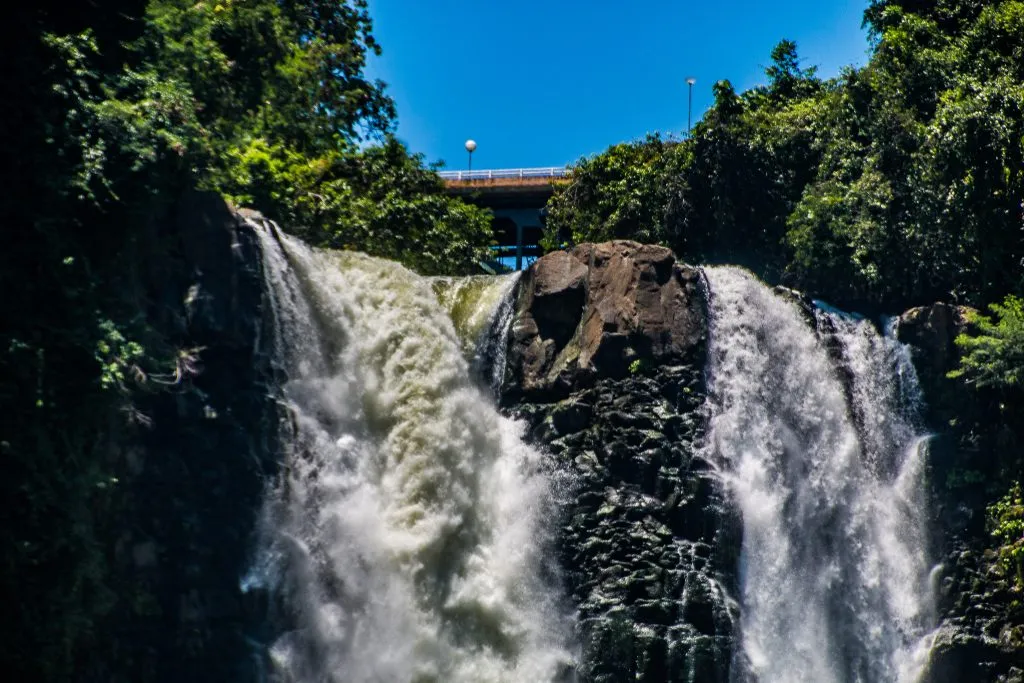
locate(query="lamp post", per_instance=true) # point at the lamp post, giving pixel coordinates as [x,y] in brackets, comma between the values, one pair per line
[470,147]
[689,109]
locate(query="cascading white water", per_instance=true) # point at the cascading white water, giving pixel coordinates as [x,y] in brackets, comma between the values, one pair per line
[482,309]
[407,540]
[834,571]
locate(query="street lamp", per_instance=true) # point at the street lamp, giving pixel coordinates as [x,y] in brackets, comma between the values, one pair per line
[470,147]
[689,110]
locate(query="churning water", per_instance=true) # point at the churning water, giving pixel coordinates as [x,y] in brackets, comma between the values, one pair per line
[407,540]
[821,455]
[482,308]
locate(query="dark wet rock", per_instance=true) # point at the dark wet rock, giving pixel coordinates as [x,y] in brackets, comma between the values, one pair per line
[606,363]
[981,634]
[801,300]
[931,330]
[571,417]
[642,527]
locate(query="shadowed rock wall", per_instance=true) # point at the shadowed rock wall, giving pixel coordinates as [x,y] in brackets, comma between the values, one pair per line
[193,474]
[972,456]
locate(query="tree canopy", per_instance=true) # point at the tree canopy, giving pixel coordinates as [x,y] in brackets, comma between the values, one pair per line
[994,356]
[890,185]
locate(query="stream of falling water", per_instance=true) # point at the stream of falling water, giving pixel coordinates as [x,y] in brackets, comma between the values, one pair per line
[829,480]
[482,308]
[408,539]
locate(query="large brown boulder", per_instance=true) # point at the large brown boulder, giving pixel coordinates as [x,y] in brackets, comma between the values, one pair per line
[602,310]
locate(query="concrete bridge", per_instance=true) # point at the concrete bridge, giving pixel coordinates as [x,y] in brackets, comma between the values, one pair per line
[517,197]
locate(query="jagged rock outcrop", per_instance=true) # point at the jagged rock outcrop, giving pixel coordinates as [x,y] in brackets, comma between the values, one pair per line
[599,310]
[606,364]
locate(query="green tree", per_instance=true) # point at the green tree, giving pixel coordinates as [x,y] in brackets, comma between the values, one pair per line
[994,356]
[631,191]
[1006,527]
[281,94]
[752,153]
[292,72]
[380,200]
[786,78]
[892,185]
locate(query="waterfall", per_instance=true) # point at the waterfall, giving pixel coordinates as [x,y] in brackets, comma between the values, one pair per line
[482,308]
[408,538]
[815,440]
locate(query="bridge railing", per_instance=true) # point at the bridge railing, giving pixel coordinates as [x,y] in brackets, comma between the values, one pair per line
[506,173]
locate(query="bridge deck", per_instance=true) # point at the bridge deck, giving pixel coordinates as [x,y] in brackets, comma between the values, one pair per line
[506,173]
[504,182]
[517,197]
[511,188]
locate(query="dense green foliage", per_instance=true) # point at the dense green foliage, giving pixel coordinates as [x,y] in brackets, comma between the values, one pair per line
[632,191]
[994,356]
[290,72]
[379,200]
[1006,524]
[893,184]
[109,112]
[281,101]
[992,361]
[73,233]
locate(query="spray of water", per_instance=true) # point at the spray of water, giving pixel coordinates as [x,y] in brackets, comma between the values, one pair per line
[407,540]
[829,480]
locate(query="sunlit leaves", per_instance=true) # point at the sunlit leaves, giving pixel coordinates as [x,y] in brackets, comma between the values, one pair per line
[994,356]
[1006,526]
[380,200]
[292,72]
[117,356]
[631,191]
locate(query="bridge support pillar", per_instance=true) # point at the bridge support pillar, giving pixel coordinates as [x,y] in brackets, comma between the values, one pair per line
[519,245]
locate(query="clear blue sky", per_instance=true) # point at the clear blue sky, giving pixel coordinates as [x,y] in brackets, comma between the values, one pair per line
[544,82]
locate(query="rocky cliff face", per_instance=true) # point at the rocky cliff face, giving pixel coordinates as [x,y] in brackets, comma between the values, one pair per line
[193,475]
[602,311]
[606,365]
